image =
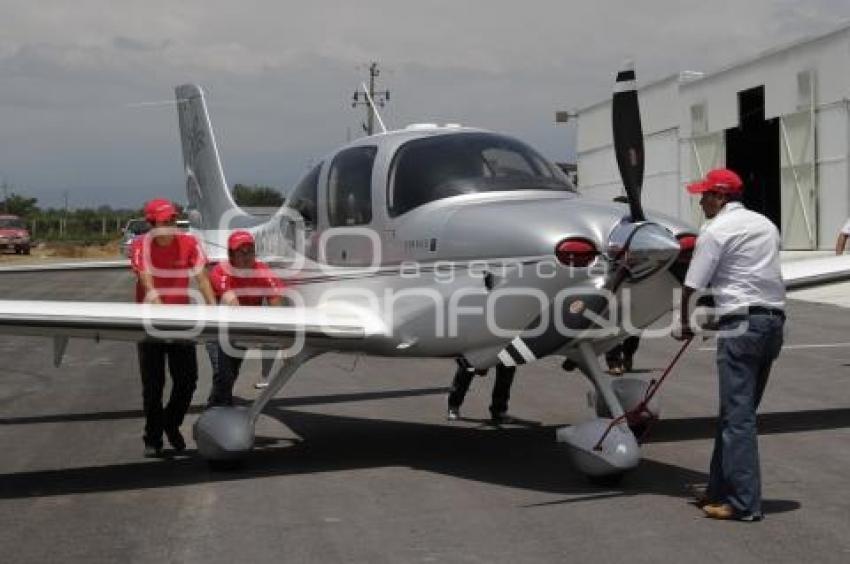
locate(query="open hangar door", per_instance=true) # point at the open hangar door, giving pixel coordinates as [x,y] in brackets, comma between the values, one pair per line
[752,150]
[776,160]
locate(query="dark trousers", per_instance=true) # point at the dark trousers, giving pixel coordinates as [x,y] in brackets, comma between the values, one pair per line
[501,388]
[624,350]
[225,371]
[743,364]
[183,366]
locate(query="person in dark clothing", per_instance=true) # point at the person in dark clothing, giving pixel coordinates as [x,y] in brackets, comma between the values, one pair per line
[620,359]
[500,396]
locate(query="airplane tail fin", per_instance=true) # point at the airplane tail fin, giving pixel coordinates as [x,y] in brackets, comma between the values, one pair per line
[209,197]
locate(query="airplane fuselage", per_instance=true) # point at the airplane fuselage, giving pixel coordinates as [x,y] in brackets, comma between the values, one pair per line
[450,234]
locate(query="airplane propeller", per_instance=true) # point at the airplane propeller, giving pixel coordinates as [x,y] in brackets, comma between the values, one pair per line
[628,137]
[629,149]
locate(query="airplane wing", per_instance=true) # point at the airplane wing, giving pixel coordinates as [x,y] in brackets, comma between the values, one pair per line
[815,272]
[333,327]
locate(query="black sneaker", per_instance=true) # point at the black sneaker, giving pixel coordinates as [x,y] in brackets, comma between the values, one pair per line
[453,414]
[152,451]
[176,439]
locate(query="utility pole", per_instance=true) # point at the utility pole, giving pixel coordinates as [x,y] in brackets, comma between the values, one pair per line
[363,98]
[63,230]
[5,196]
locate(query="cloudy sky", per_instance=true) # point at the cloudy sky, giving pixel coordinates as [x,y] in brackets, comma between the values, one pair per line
[79,81]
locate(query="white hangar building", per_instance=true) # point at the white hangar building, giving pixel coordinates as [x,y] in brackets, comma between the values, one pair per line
[780,119]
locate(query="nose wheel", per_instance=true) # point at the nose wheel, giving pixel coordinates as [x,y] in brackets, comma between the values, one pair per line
[631,392]
[601,459]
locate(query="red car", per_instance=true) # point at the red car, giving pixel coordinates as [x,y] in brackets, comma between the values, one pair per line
[14,235]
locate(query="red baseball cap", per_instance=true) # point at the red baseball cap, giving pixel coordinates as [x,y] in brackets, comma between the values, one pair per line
[238,239]
[720,180]
[160,210]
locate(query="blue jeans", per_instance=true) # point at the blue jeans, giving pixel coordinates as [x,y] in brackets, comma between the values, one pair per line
[225,371]
[743,364]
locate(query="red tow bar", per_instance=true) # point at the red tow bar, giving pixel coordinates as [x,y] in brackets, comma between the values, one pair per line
[633,415]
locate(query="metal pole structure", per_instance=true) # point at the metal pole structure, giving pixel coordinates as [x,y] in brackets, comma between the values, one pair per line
[375,112]
[64,230]
[5,196]
[370,123]
[371,99]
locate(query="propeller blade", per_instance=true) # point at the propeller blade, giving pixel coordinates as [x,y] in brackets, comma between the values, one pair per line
[628,137]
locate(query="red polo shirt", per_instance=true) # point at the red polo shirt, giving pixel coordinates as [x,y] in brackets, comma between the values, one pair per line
[171,265]
[249,285]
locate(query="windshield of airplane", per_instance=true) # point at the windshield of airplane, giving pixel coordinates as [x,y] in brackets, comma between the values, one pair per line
[433,168]
[11,223]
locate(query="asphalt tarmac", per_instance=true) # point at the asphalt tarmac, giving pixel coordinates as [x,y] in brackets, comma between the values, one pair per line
[356,462]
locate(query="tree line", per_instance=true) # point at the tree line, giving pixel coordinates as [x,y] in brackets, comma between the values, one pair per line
[104,223]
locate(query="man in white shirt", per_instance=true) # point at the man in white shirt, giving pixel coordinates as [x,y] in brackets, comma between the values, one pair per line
[737,256]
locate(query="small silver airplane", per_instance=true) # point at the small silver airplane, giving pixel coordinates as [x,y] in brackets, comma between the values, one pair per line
[430,241]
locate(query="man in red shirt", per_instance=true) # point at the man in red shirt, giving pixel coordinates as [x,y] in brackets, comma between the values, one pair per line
[242,280]
[164,259]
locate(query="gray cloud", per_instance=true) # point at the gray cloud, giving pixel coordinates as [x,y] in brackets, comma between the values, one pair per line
[279,75]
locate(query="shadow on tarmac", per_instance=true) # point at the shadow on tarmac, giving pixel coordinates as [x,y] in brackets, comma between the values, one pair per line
[522,457]
[517,457]
[693,428]
[197,409]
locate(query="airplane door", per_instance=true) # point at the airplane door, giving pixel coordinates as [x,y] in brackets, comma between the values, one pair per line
[349,239]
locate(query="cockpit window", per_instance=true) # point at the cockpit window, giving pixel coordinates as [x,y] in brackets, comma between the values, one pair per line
[433,168]
[350,187]
[303,198]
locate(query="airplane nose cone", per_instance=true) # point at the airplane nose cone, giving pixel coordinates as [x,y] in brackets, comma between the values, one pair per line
[642,248]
